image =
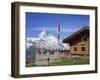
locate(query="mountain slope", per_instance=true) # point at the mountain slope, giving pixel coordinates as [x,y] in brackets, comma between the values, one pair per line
[46,41]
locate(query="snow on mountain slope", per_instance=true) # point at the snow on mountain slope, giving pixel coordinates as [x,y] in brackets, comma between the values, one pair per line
[46,41]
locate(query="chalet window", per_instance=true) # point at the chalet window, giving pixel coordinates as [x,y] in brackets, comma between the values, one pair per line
[82,44]
[75,48]
[84,38]
[82,48]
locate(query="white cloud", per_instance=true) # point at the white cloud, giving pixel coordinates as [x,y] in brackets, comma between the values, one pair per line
[54,29]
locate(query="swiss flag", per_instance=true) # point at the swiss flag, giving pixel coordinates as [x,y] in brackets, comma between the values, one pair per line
[58,24]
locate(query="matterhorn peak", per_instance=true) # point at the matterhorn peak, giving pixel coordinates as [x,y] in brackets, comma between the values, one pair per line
[43,34]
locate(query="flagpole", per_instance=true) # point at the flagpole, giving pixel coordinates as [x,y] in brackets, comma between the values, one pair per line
[58,33]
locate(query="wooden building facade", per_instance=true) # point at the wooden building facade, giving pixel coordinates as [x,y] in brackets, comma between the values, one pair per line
[79,42]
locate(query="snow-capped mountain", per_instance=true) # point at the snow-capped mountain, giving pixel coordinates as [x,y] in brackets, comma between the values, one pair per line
[46,41]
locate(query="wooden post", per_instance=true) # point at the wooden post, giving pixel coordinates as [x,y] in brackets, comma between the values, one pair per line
[48,61]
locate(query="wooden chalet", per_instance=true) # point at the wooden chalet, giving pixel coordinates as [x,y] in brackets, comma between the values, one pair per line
[79,42]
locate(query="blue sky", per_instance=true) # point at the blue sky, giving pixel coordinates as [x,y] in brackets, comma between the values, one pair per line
[69,23]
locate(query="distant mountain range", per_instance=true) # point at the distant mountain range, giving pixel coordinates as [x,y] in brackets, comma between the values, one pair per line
[46,41]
